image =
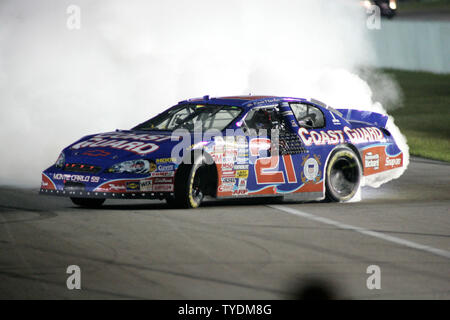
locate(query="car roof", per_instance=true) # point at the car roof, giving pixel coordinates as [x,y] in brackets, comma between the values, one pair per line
[241,101]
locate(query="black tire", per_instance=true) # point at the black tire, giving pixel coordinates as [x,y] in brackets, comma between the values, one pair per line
[190,185]
[343,175]
[88,202]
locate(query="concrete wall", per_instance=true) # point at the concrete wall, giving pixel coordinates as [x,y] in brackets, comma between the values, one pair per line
[413,45]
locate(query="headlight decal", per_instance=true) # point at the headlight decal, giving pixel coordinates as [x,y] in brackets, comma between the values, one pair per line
[139,166]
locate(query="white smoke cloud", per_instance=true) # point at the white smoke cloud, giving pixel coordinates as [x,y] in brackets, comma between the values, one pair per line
[133,59]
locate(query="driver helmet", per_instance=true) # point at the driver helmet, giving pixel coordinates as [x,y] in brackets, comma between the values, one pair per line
[262,119]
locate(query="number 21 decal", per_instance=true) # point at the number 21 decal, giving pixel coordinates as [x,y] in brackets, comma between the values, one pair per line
[266,168]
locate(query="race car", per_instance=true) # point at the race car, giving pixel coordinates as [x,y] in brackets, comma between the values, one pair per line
[229,147]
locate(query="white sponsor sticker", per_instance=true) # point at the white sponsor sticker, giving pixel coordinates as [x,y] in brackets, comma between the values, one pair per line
[393,162]
[146,185]
[163,174]
[163,187]
[372,160]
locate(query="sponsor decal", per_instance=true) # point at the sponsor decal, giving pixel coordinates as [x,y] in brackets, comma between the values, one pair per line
[241,174]
[162,167]
[226,160]
[336,122]
[114,187]
[228,173]
[165,160]
[75,178]
[163,174]
[240,192]
[241,141]
[133,185]
[227,180]
[227,166]
[311,172]
[229,158]
[362,135]
[96,153]
[241,160]
[391,162]
[226,188]
[163,187]
[47,183]
[152,166]
[146,185]
[242,185]
[163,180]
[376,160]
[333,137]
[241,167]
[117,141]
[242,156]
[265,101]
[372,160]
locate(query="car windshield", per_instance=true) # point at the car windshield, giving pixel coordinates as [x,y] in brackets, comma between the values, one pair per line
[189,116]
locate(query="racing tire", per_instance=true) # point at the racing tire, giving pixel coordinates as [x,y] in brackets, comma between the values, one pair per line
[190,185]
[88,202]
[343,175]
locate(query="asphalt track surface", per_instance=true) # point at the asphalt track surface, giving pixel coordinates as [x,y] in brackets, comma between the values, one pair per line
[233,249]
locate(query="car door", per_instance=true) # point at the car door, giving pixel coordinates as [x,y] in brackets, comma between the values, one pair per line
[265,172]
[311,162]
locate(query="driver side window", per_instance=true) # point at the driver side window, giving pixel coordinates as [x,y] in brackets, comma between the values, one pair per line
[307,115]
[259,121]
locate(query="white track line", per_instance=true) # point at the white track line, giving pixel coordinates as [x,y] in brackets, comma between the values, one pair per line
[367,232]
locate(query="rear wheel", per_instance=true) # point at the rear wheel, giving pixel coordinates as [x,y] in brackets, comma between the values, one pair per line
[88,202]
[343,175]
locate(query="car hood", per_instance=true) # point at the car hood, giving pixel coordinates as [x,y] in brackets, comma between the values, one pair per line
[106,149]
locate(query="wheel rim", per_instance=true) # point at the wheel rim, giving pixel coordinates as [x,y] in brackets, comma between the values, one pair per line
[344,176]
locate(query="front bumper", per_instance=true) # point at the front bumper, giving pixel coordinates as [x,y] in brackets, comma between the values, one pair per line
[106,195]
[156,185]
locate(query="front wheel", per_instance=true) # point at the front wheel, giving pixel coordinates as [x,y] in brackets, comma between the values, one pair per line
[343,175]
[190,185]
[88,202]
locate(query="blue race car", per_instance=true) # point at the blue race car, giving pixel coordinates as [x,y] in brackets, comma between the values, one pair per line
[228,147]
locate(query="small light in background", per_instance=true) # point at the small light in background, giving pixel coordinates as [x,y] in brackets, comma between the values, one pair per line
[393,4]
[366,4]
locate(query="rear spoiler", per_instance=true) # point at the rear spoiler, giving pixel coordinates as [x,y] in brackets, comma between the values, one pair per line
[373,118]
